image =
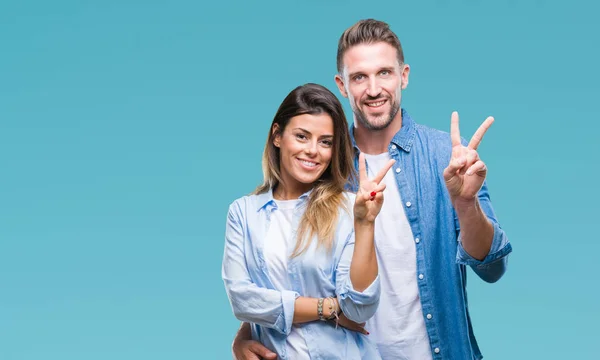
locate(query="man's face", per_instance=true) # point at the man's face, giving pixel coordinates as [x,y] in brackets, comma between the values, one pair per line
[372,80]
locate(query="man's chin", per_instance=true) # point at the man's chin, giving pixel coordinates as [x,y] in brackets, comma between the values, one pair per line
[377,123]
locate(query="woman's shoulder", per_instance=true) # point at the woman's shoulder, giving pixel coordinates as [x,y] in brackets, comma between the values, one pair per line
[349,198]
[244,203]
[347,206]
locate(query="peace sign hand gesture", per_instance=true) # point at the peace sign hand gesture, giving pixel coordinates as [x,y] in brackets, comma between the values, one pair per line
[466,172]
[369,197]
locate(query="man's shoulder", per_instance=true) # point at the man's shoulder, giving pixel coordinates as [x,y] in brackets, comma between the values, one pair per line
[432,140]
[432,133]
[426,132]
[433,143]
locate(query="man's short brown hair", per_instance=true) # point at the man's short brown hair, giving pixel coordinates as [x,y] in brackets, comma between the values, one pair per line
[367,31]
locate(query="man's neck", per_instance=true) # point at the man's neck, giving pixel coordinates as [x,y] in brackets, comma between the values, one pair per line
[374,142]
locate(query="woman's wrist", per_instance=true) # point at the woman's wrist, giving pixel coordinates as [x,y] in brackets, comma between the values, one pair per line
[333,308]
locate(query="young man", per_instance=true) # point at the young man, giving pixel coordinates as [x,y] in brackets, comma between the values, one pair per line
[437,218]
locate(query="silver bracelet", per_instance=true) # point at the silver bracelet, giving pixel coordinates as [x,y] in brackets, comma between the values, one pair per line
[320,309]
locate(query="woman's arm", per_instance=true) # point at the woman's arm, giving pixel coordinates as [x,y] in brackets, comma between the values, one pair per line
[250,303]
[274,309]
[359,295]
[363,268]
[357,306]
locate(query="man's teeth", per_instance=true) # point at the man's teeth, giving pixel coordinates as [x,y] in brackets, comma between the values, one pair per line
[308,163]
[375,104]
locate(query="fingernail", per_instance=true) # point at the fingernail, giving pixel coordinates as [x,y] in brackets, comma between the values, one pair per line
[373,193]
[469,172]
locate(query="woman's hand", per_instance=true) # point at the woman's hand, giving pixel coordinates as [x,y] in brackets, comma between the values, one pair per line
[369,197]
[343,321]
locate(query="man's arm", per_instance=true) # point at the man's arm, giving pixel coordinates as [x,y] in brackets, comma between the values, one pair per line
[482,243]
[476,231]
[493,265]
[244,348]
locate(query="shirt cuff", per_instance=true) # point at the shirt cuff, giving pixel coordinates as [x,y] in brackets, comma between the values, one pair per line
[499,249]
[286,318]
[365,297]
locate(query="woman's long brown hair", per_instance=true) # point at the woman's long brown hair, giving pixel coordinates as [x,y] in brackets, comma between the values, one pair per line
[326,198]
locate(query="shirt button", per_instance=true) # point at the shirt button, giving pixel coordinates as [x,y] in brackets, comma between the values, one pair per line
[408,204]
[393,146]
[436,350]
[398,170]
[421,276]
[429,316]
[417,240]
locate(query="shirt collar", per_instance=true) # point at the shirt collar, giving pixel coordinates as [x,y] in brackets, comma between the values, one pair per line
[266,199]
[403,138]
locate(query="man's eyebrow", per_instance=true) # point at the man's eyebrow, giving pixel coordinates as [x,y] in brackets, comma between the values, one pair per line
[383,68]
[353,74]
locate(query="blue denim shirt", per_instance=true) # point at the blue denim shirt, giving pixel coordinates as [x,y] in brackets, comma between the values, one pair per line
[316,273]
[421,154]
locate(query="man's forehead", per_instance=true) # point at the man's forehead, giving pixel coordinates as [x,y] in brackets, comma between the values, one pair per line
[370,55]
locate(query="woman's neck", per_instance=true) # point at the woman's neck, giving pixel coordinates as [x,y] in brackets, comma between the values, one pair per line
[282,192]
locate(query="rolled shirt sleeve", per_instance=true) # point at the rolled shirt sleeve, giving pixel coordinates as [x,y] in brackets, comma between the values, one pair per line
[493,266]
[250,303]
[358,306]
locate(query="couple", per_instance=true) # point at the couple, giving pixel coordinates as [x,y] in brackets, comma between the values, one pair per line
[302,268]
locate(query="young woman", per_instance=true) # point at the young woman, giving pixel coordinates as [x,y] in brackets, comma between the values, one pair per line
[300,264]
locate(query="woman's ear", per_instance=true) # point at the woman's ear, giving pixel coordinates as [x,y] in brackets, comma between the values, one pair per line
[276,135]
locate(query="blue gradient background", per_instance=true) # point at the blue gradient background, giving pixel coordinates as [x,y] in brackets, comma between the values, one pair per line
[127,128]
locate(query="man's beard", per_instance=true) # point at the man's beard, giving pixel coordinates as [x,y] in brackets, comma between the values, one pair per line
[362,119]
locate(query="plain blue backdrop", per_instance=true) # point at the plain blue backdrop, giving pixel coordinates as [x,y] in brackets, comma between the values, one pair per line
[128,127]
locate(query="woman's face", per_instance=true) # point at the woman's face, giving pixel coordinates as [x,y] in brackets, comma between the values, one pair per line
[305,146]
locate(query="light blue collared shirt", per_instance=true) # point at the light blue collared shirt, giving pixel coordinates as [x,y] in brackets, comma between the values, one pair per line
[316,273]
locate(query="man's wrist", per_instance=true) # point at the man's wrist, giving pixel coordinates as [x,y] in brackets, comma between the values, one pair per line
[461,205]
[243,333]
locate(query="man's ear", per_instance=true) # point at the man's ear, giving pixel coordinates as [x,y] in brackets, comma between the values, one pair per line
[404,76]
[340,84]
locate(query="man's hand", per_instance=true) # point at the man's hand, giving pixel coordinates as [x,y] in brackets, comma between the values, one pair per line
[244,348]
[251,350]
[466,172]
